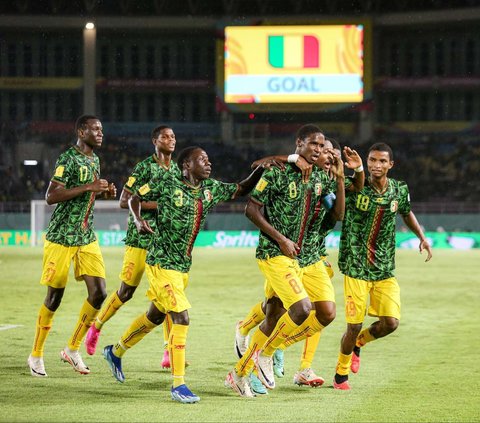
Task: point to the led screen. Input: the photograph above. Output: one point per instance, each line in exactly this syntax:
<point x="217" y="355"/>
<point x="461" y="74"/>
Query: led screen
<point x="294" y="64"/>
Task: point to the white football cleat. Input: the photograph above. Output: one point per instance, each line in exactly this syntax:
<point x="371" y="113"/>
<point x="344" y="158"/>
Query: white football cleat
<point x="75" y="360"/>
<point x="239" y="384"/>
<point x="264" y="366"/>
<point x="241" y="342"/>
<point x="37" y="367"/>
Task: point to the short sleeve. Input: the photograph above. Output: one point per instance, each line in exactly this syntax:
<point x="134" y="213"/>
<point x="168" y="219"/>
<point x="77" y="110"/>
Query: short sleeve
<point x="404" y="206"/>
<point x="262" y="190"/>
<point x="220" y="191"/>
<point x="63" y="170"/>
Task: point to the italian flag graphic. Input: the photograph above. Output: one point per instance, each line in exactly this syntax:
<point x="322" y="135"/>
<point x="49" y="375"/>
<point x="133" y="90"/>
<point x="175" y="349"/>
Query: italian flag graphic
<point x="293" y="51"/>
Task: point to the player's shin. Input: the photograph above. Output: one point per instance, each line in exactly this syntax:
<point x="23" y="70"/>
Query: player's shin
<point x="42" y="329"/>
<point x="87" y="315"/>
<point x="176" y="346"/>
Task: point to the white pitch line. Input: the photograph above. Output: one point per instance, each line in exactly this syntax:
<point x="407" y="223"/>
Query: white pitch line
<point x="6" y="327"/>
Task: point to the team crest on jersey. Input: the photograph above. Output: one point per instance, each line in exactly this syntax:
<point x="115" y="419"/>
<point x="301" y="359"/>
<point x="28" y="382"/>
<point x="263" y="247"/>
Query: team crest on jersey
<point x="130" y="182"/>
<point x="394" y="206"/>
<point x="318" y="189"/>
<point x="59" y="171"/>
<point x="208" y="195"/>
<point x="144" y="189"/>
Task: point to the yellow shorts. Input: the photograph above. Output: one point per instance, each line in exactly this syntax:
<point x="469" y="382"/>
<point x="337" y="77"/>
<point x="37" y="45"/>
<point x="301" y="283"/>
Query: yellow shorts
<point x="283" y="278"/>
<point x="87" y="260"/>
<point x="384" y="299"/>
<point x="328" y="266"/>
<point x="317" y="283"/>
<point x="167" y="289"/>
<point x="133" y="265"/>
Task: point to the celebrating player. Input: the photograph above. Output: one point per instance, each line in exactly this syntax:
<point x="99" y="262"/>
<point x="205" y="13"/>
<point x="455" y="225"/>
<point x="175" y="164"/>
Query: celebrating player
<point x="70" y="236"/>
<point x="136" y="245"/>
<point x="367" y="259"/>
<point x="183" y="204"/>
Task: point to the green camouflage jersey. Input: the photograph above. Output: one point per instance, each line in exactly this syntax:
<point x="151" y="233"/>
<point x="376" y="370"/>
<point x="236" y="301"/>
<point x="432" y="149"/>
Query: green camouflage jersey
<point x="72" y="221"/>
<point x="320" y="226"/>
<point x="288" y="204"/>
<point x="367" y="242"/>
<point x="142" y="173"/>
<point x="181" y="213"/>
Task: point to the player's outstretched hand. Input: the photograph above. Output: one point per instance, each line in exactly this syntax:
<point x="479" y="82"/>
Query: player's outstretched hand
<point x="424" y="245"/>
<point x="269" y="163"/>
<point x="143" y="227"/>
<point x="352" y="158"/>
<point x="305" y="168"/>
<point x="336" y="170"/>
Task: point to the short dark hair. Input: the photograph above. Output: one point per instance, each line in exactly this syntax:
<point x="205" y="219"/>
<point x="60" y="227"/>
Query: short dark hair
<point x="307" y="130"/>
<point x="381" y="146"/>
<point x="156" y="132"/>
<point x="185" y="154"/>
<point x="82" y="121"/>
<point x="335" y="143"/>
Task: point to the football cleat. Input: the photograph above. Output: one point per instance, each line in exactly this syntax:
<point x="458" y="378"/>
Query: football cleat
<point x="184" y="395"/>
<point x="307" y="377"/>
<point x="166" y="360"/>
<point x="114" y="362"/>
<point x="91" y="339"/>
<point x="278" y="366"/>
<point x="264" y="367"/>
<point x="239" y="384"/>
<point x="256" y="386"/>
<point x="344" y="386"/>
<point x="75" y="360"/>
<point x="241" y="342"/>
<point x="355" y="366"/>
<point x="37" y="367"/>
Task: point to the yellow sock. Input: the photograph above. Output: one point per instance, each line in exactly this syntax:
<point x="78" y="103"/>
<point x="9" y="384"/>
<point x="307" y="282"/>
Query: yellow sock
<point x="308" y="328"/>
<point x="42" y="329"/>
<point x="364" y="337"/>
<point x="343" y="365"/>
<point x="135" y="333"/>
<point x="245" y="364"/>
<point x="309" y="349"/>
<point x="167" y="327"/>
<point x="85" y="320"/>
<point x="110" y="307"/>
<point x="285" y="326"/>
<point x="176" y="347"/>
<point x="254" y="318"/>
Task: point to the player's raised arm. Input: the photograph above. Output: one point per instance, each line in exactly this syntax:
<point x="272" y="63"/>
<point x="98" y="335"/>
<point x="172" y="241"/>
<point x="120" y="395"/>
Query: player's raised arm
<point x="412" y="223"/>
<point x="354" y="161"/>
<point x="245" y="186"/>
<point x="338" y="209"/>
<point x="280" y="160"/>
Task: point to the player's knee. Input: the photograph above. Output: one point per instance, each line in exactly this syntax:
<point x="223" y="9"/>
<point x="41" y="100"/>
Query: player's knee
<point x="97" y="298"/>
<point x="353" y="329"/>
<point x="390" y="325"/>
<point x="300" y="311"/>
<point x="53" y="298"/>
<point x="326" y="317"/>
<point x="325" y="312"/>
<point x="125" y="294"/>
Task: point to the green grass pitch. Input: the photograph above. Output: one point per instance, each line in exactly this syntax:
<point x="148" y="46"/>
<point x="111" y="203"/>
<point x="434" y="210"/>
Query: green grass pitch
<point x="427" y="371"/>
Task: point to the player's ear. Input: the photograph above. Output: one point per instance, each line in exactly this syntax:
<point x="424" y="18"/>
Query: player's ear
<point x="391" y="164"/>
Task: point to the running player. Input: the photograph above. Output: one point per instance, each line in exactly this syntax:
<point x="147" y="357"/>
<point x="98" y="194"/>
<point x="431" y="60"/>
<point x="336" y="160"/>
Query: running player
<point x="136" y="245"/>
<point x="367" y="259"/>
<point x="70" y="237"/>
<point x="183" y="204"/>
<point x="288" y="204"/>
